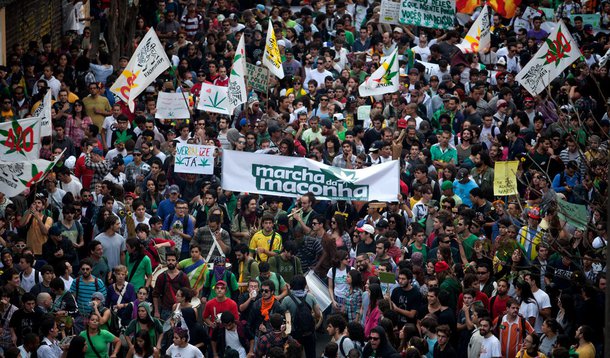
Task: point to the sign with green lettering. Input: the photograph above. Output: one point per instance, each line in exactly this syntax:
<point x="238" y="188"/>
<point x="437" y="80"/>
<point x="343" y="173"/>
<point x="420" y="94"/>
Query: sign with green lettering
<point x="436" y="14"/>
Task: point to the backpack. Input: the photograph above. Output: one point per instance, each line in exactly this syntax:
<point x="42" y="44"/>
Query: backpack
<point x="77" y="286"/>
<point x="303" y="322"/>
<point x="347" y="270"/>
<point x="23" y="231"/>
<point x="114" y="323"/>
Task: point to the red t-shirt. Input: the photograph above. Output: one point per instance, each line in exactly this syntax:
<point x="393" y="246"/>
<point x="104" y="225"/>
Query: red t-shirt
<point x="215" y="307"/>
<point x="479" y="297"/>
<point x="499" y="306"/>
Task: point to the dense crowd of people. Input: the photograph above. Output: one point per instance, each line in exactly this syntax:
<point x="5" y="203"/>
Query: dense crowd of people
<point x="116" y="254"/>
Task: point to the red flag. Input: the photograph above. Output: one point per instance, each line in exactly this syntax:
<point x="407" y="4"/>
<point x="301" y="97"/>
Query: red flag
<point x="505" y="8"/>
<point x="467" y="6"/>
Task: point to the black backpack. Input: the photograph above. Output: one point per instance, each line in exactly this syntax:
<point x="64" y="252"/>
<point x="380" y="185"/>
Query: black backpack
<point x="303" y="323"/>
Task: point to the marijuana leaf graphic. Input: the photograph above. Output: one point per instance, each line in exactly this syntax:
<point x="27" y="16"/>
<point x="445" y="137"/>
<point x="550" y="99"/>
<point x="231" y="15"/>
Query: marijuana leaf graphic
<point x="122" y="137"/>
<point x="215" y="102"/>
<point x="340" y="174"/>
<point x="180" y="160"/>
<point x="204" y="163"/>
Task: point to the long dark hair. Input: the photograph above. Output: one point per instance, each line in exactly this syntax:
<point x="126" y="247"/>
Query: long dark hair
<point x="147" y="350"/>
<point x="526" y="294"/>
<point x="376" y="295"/>
<point x="341" y="223"/>
<point x="75" y="350"/>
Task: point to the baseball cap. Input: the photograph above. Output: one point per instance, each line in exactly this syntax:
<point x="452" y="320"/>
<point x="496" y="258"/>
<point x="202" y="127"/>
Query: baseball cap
<point x="382" y="224"/>
<point x="174" y="189"/>
<point x="501" y="103"/>
<point x="376" y="146"/>
<point x="462" y="174"/>
<point x="54" y="231"/>
<point x="441" y="266"/>
<point x="447" y="185"/>
<point x="131" y="195"/>
<point x="534" y="213"/>
<point x="97" y="151"/>
<point x="501" y="61"/>
<point x="221" y="283"/>
<point x="338" y="116"/>
<point x="367" y="228"/>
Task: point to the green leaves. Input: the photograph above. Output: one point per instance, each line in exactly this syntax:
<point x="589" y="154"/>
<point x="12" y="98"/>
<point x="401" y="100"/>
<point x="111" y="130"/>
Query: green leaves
<point x="203" y="163"/>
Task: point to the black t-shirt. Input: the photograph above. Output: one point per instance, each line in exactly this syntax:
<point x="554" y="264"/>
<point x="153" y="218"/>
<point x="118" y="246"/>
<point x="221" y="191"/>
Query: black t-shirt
<point x="23" y="323"/>
<point x="363" y="247"/>
<point x="407" y="300"/>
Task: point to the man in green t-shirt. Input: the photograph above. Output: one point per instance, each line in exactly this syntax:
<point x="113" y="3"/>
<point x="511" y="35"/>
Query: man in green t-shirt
<point x="465" y="236"/>
<point x="195" y="268"/>
<point x="279" y="283"/>
<point x="286" y="264"/>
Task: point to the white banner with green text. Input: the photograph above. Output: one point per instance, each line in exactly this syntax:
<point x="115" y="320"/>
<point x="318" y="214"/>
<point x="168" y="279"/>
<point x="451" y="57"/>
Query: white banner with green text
<point x="293" y="177"/>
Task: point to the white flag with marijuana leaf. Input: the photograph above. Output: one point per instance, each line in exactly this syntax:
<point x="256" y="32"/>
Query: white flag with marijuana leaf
<point x="384" y="79"/>
<point x="194" y="159"/>
<point x="237" y="84"/>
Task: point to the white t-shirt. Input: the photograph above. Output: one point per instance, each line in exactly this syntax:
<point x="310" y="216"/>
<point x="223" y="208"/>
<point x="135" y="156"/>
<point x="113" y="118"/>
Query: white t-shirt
<point x="543" y="302"/>
<point x="190" y="351"/>
<point x="232" y="340"/>
<point x="27" y="282"/>
<point x="528" y="309"/>
<point x="108" y="125"/>
<point x="490" y="347"/>
<point x="347" y="344"/>
<point x="341" y="285"/>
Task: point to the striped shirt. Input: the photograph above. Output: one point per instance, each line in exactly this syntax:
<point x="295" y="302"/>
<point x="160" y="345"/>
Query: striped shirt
<point x="191" y="24"/>
<point x="85" y="291"/>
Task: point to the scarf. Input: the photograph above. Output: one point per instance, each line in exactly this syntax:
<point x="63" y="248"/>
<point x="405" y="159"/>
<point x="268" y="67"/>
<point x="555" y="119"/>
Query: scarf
<point x="266" y="307"/>
<point x="219" y="272"/>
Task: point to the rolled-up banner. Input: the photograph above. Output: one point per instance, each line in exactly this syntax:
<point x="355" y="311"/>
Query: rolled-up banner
<point x="294" y="177"/>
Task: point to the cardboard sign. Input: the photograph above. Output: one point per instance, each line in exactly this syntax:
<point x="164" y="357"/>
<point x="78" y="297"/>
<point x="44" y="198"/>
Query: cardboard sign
<point x="390" y="12"/>
<point x="194" y="159"/>
<point x="172" y="106"/>
<point x="505" y="178"/>
<point x="258" y="77"/>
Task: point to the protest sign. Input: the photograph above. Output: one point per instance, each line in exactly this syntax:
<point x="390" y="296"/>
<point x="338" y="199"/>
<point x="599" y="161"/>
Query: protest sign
<point x="548" y="12"/>
<point x="44" y="112"/>
<point x="364" y="115"/>
<point x="294" y="177"/>
<point x="390" y="12"/>
<point x="214" y="99"/>
<point x="258" y="77"/>
<point x="576" y="215"/>
<point x="530" y="13"/>
<point x="20" y="139"/>
<point x="557" y="53"/>
<point x="15" y="177"/>
<point x="588" y="19"/>
<point x="194" y="159"/>
<point x="146" y="64"/>
<point x="172" y="106"/>
<point x="437" y="14"/>
<point x="505" y="178"/>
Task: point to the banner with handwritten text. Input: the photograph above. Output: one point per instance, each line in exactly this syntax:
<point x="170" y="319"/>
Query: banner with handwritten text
<point x="194" y="159"/>
<point x="436" y="14"/>
<point x="258" y="77"/>
<point x="505" y="178"/>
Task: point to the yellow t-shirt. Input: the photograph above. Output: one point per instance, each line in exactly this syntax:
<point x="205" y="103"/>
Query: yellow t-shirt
<point x="99" y="103"/>
<point x="586" y="351"/>
<point x="259" y="239"/>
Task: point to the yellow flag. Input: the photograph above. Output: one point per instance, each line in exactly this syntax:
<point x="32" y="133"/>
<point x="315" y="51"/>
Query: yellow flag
<point x="272" y="58"/>
<point x="505" y="178"/>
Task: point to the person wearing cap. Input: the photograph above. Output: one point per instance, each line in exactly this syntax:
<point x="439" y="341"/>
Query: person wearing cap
<point x="117" y="172"/>
<point x="565" y="181"/>
<point x="180" y="224"/>
<point x="447" y="191"/>
<point x="366" y="243"/>
<point x="220" y="300"/>
<point x="136" y="170"/>
<point x="530" y="235"/>
<point x="94" y="160"/>
<point x="167" y="206"/>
